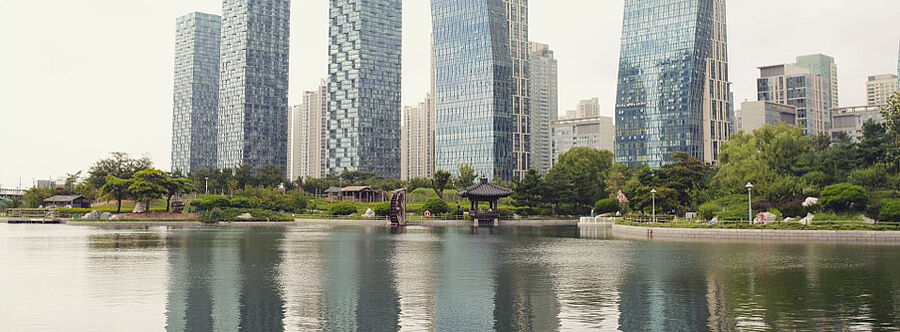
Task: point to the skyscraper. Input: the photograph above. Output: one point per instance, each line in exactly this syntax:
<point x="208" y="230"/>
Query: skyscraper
<point x="517" y="26"/>
<point x="791" y="84"/>
<point x="879" y="88"/>
<point x="197" y="37"/>
<point x="253" y="85"/>
<point x="544" y="109"/>
<point x="473" y="87"/>
<point x="824" y="66"/>
<point x="673" y="90"/>
<point x="416" y="141"/>
<point x="306" y="139"/>
<point x="364" y="86"/>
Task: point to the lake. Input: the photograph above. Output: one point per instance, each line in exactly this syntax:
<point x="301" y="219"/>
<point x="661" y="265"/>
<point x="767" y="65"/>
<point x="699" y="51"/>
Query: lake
<point x="61" y="277"/>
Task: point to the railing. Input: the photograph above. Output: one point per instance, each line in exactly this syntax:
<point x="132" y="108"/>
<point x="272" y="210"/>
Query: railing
<point x="31" y="213"/>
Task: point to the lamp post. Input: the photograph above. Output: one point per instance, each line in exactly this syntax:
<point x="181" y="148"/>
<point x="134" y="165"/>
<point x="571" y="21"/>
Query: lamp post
<point x="206" y="183"/>
<point x="653" y="192"/>
<point x="749" y="202"/>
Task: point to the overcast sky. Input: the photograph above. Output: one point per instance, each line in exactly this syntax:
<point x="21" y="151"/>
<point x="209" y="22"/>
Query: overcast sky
<point x="82" y="78"/>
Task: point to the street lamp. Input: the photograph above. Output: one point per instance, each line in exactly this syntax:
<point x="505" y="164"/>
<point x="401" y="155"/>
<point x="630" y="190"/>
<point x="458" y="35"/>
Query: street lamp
<point x="207" y="185"/>
<point x="749" y="202"/>
<point x="653" y="192"/>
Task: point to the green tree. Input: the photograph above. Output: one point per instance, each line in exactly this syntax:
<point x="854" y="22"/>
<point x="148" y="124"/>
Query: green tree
<point x="466" y="176"/>
<point x="416" y="183"/>
<point x="557" y="189"/>
<point x="762" y="158"/>
<point x="891" y="115"/>
<point x="688" y="177"/>
<point x="176" y="185"/>
<point x="119" y="164"/>
<point x="587" y="169"/>
<point x="116" y="188"/>
<point x="439" y="182"/>
<point x="34" y="197"/>
<point x="148" y="185"/>
<point x="844" y="197"/>
<point x="269" y="176"/>
<point x="527" y="193"/>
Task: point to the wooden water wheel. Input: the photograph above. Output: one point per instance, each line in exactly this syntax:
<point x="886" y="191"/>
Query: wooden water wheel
<point x="398" y="208"/>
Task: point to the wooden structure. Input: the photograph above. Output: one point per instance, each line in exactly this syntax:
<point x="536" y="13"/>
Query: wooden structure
<point x="67" y="201"/>
<point x="398" y="208"/>
<point x="354" y="194"/>
<point x="485" y="192"/>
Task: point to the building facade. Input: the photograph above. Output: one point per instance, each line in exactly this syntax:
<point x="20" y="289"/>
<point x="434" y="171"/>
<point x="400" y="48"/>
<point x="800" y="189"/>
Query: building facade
<point x="850" y="120"/>
<point x="586" y="108"/>
<point x="544" y="96"/>
<point x="196" y="97"/>
<point x="596" y="132"/>
<point x="473" y="84"/>
<point x="673" y="93"/>
<point x="824" y="66"/>
<point x="306" y="139"/>
<point x="791" y="84"/>
<point x="757" y="114"/>
<point x="517" y="26"/>
<point x="879" y="88"/>
<point x="364" y="86"/>
<point x="253" y="83"/>
<point x="417" y="141"/>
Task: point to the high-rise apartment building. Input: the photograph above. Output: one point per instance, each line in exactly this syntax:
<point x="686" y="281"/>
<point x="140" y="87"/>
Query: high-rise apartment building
<point x="586" y="108"/>
<point x="879" y="88"/>
<point x="757" y="114"/>
<point x="196" y="102"/>
<point x="850" y="120"/>
<point x="794" y="85"/>
<point x="253" y="83"/>
<point x="473" y="84"/>
<point x="824" y="66"/>
<point x="417" y="141"/>
<point x="596" y="132"/>
<point x="306" y="139"/>
<point x="517" y="23"/>
<point x="364" y="86"/>
<point x="544" y="95"/>
<point x="673" y="91"/>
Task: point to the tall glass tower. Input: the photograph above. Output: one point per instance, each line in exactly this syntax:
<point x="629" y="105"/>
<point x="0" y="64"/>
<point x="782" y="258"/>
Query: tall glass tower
<point x="517" y="23"/>
<point x="473" y="87"/>
<point x="673" y="90"/>
<point x="196" y="98"/>
<point x="253" y="85"/>
<point x="364" y="86"/>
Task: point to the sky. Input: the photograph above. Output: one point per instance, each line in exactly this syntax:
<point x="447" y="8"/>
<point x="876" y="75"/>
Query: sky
<point x="80" y="79"/>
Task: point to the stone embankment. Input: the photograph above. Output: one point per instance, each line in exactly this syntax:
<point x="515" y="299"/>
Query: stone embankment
<point x="712" y="234"/>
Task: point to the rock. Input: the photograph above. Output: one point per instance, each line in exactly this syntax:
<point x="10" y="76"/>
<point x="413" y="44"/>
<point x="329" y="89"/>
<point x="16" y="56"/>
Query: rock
<point x="114" y="217"/>
<point x="369" y="213"/>
<point x="105" y="216"/>
<point x="765" y="218"/>
<point x="790" y="219"/>
<point x="245" y="216"/>
<point x="93" y="215"/>
<point x="138" y="208"/>
<point x="810" y="201"/>
<point x="808" y="219"/>
<point x="868" y="220"/>
<point x="714" y="221"/>
<point x="516" y="216"/>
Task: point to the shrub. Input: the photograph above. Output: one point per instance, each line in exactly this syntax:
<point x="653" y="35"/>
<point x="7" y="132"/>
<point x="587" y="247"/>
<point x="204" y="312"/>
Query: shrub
<point x="815" y="178"/>
<point x="709" y="210"/>
<point x="436" y="206"/>
<point x="793" y="209"/>
<point x="211" y="202"/>
<point x="610" y="205"/>
<point x="890" y="211"/>
<point x="298" y="202"/>
<point x="871" y="177"/>
<point x="240" y="202"/>
<point x="342" y="209"/>
<point x="382" y="209"/>
<point x="213" y="216"/>
<point x="844" y="197"/>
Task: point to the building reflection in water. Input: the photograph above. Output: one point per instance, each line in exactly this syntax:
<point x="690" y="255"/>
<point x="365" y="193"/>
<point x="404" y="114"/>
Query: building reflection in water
<point x="465" y="289"/>
<point x="414" y="262"/>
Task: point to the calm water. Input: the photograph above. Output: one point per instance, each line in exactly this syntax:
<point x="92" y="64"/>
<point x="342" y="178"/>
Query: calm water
<point x="454" y="279"/>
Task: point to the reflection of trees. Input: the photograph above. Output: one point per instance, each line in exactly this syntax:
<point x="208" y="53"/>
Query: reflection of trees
<point x="524" y="297"/>
<point x="126" y="240"/>
<point x="261" y="301"/>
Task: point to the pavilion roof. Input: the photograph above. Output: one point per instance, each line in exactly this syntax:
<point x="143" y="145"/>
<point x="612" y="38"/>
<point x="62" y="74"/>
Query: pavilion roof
<point x="485" y="189"/>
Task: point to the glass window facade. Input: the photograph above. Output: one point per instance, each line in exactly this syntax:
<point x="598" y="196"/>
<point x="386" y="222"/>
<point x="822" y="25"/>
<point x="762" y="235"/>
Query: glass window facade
<point x="196" y="95"/>
<point x="672" y="94"/>
<point x="253" y="83"/>
<point x="473" y="87"/>
<point x="364" y="86"/>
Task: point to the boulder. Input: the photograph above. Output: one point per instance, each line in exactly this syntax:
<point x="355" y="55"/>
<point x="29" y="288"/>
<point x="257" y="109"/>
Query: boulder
<point x="810" y="201"/>
<point x="93" y="215"/>
<point x="245" y="216"/>
<point x="138" y="208"/>
<point x="114" y="217"/>
<point x="808" y="219"/>
<point x="369" y="213"/>
<point x="765" y="218"/>
<point x="868" y="220"/>
<point x="790" y="219"/>
<point x="714" y="221"/>
<point x="105" y="216"/>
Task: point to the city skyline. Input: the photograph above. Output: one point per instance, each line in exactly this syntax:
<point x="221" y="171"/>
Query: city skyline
<point x="154" y="107"/>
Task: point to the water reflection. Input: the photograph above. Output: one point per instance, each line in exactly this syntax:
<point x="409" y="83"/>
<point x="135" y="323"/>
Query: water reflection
<point x="374" y="279"/>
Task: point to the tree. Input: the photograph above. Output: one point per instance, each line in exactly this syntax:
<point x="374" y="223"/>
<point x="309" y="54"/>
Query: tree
<point x="176" y="185"/>
<point x="71" y="181"/>
<point x="35" y="196"/>
<point x="558" y="188"/>
<point x="439" y="182"/>
<point x="844" y="197"/>
<point x="115" y="188"/>
<point x="119" y="164"/>
<point x="269" y="176"/>
<point x="688" y="177"/>
<point x="761" y="158"/>
<point x="466" y="176"/>
<point x="891" y="115"/>
<point x="527" y="192"/>
<point x="587" y="169"/>
<point x="148" y="185"/>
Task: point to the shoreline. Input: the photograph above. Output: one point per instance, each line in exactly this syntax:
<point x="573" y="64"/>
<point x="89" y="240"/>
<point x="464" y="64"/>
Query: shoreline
<point x="308" y="222"/>
<point x="754" y="235"/>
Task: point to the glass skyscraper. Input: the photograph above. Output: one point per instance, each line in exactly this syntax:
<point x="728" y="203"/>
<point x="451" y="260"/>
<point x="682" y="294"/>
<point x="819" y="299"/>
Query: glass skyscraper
<point x="473" y="87"/>
<point x="364" y="86"/>
<point x="253" y="83"/>
<point x="196" y="100"/>
<point x="517" y="23"/>
<point x="673" y="92"/>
